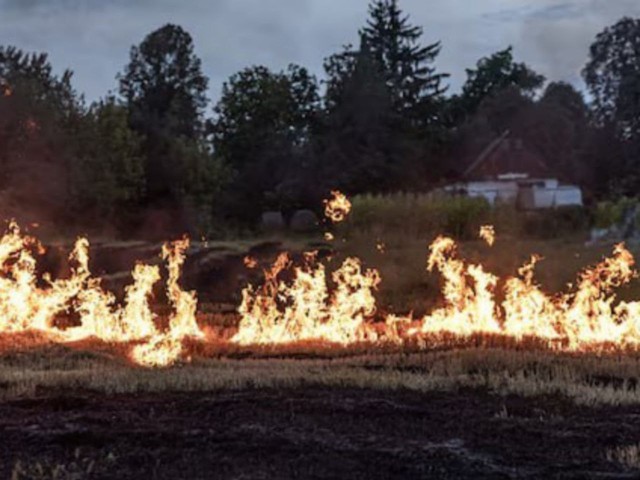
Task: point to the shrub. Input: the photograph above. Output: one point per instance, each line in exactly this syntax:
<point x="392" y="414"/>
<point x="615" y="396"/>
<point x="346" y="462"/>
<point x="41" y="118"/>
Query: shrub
<point x="425" y="215"/>
<point x="419" y="214"/>
<point x="610" y="213"/>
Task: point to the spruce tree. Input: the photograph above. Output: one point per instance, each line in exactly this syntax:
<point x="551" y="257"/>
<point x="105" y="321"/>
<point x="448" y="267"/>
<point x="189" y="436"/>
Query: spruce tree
<point x="407" y="66"/>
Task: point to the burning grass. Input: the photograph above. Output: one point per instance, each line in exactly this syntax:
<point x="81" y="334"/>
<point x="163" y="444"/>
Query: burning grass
<point x="318" y="325"/>
<point x="304" y="307"/>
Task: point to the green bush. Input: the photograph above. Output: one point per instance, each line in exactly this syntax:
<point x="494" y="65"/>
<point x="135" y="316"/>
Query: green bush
<point x="609" y="213"/>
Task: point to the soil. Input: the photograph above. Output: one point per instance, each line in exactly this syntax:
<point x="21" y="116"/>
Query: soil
<point x="316" y="433"/>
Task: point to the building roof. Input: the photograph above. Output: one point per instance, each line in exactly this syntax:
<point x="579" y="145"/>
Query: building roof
<point x="506" y="155"/>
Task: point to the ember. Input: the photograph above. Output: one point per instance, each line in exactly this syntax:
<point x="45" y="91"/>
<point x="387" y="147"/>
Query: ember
<point x="337" y="208"/>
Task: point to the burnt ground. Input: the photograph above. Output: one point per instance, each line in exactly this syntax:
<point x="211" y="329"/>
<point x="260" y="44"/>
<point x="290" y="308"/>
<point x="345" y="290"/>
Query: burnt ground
<point x="319" y="433"/>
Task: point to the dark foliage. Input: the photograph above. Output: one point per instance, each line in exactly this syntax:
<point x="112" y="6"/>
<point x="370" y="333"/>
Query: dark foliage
<point x="277" y="140"/>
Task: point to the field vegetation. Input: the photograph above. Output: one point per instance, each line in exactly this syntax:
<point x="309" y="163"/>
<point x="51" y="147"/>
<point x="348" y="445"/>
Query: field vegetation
<point x="490" y="364"/>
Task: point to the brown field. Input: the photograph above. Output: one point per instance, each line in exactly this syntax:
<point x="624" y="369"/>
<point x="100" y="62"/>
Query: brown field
<point x="481" y="412"/>
<point x="474" y="408"/>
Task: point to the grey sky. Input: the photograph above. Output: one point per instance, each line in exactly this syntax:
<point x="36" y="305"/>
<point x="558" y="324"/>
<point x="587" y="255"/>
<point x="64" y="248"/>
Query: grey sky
<point x="93" y="37"/>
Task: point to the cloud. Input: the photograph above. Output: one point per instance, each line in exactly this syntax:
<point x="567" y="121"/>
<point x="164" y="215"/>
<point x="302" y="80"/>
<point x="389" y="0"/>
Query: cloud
<point x="526" y="12"/>
<point x="559" y="45"/>
<point x="93" y="37"/>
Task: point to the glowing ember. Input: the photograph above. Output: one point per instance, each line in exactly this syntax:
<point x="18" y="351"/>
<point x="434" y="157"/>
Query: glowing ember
<point x="250" y="262"/>
<point x="488" y="234"/>
<point x="337" y="208"/>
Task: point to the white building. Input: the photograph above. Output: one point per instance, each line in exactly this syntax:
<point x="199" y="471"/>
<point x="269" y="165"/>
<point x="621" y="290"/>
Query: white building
<point x="506" y="172"/>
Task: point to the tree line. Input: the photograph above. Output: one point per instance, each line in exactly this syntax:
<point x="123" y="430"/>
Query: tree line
<point x="380" y="120"/>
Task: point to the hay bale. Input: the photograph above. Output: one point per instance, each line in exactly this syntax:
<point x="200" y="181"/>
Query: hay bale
<point x="304" y="221"/>
<point x="272" y="222"/>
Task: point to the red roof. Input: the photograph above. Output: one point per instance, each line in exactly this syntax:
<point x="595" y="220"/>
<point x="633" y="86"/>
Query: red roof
<point x="506" y="155"/>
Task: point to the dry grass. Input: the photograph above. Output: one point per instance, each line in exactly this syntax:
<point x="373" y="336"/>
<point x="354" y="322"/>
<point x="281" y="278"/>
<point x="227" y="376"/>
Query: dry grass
<point x="76" y="467"/>
<point x="628" y="456"/>
<point x="586" y="379"/>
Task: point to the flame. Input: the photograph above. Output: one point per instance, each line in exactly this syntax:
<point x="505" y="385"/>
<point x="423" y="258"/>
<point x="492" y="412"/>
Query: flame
<point x="468" y="291"/>
<point x="161" y="350"/>
<point x="305" y="309"/>
<point x="488" y="234"/>
<point x="250" y="262"/>
<point x="474" y="301"/>
<point x="26" y="306"/>
<point x="299" y="301"/>
<point x="103" y="319"/>
<point x="588" y="315"/>
<point x="166" y="347"/>
<point x="183" y="321"/>
<point x="337" y="208"/>
<point x="528" y="310"/>
<point x="577" y="320"/>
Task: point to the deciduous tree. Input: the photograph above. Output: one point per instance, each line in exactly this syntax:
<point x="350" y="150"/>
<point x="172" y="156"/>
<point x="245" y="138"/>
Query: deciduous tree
<point x="613" y="76"/>
<point x="492" y="76"/>
<point x="263" y="122"/>
<point x="165" y="91"/>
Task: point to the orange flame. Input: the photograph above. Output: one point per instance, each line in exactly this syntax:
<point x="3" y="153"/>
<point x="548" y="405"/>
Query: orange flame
<point x="299" y="301"/>
<point x="25" y="306"/>
<point x="488" y="234"/>
<point x="337" y="208"/>
<point x="305" y="309"/>
<point x="165" y="348"/>
<point x="473" y="302"/>
<point x="468" y="294"/>
<point x="250" y="262"/>
<point x="579" y="319"/>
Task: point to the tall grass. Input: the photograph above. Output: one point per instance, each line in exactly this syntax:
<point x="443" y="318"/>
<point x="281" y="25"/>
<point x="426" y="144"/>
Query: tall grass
<point x="419" y="214"/>
<point x="423" y="215"/>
